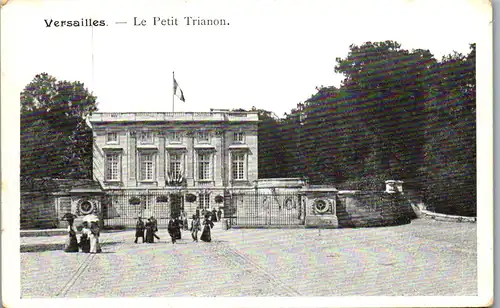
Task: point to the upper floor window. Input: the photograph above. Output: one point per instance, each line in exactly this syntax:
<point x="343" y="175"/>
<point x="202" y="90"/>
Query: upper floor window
<point x="203" y="137"/>
<point x="176" y="137"/>
<point x="147" y="166"/>
<point x="112" y="165"/>
<point x="238" y="137"/>
<point x="175" y="170"/>
<point x="146" y="137"/>
<point x="112" y="138"/>
<point x="204" y="171"/>
<point x="238" y="166"/>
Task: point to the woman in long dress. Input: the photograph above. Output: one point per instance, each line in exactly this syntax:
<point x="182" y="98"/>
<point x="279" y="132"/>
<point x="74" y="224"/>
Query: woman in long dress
<point x="206" y="234"/>
<point x="149" y="232"/>
<point x="85" y="237"/>
<point x="71" y="243"/>
<point x="95" y="247"/>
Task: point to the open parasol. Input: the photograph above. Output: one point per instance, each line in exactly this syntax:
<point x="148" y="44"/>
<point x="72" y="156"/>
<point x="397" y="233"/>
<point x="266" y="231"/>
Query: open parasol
<point x="68" y="216"/>
<point x="91" y="218"/>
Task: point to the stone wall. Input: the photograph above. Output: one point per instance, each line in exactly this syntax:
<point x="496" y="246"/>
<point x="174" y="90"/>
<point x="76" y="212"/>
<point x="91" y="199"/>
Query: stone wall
<point x="371" y="209"/>
<point x="37" y="211"/>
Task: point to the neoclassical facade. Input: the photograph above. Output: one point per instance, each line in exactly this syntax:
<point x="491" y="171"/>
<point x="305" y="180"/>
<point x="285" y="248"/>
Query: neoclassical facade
<point x="206" y="153"/>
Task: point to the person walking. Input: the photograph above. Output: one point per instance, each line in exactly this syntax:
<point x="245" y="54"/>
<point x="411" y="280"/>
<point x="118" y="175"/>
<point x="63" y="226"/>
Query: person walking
<point x="206" y="234"/>
<point x="185" y="223"/>
<point x="71" y="242"/>
<point x="85" y="238"/>
<point x="219" y="214"/>
<point x="149" y="232"/>
<point x="178" y="226"/>
<point x="139" y="229"/>
<point x="95" y="246"/>
<point x="154" y="222"/>
<point x="195" y="227"/>
<point x="172" y="229"/>
<point x="214" y="215"/>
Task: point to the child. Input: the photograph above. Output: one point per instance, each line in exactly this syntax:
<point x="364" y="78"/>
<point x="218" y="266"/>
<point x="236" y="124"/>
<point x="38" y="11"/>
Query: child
<point x="195" y="227"/>
<point x="85" y="237"/>
<point x="95" y="247"/>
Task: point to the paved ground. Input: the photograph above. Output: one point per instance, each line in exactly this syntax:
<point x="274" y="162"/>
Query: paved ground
<point x="425" y="257"/>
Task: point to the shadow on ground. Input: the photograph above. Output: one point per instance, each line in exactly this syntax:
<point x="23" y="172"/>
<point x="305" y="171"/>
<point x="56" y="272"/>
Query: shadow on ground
<point x="53" y="247"/>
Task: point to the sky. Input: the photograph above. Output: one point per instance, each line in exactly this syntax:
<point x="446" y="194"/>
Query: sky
<point x="272" y="55"/>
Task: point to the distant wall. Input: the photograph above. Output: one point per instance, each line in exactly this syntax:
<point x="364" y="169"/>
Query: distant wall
<point x="38" y="211"/>
<point x="371" y="209"/>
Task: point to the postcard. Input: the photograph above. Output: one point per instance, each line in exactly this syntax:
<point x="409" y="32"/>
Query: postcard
<point x="247" y="153"/>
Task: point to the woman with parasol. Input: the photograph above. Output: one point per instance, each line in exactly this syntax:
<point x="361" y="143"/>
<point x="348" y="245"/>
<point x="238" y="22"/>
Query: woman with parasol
<point x="95" y="247"/>
<point x="71" y="243"/>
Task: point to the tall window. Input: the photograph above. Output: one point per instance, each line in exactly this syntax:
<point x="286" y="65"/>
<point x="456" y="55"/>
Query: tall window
<point x="238" y="137"/>
<point x="175" y="166"/>
<point x="146" y="137"/>
<point x="204" y="166"/>
<point x="147" y="166"/>
<point x="203" y="137"/>
<point x="204" y="200"/>
<point x="112" y="137"/>
<point x="112" y="167"/>
<point x="238" y="166"/>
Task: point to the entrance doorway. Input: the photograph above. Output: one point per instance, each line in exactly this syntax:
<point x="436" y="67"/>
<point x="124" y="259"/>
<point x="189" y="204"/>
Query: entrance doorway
<point x="176" y="205"/>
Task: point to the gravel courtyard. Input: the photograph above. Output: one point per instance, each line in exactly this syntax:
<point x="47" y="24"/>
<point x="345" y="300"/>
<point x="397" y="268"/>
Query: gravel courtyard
<point x="425" y="257"/>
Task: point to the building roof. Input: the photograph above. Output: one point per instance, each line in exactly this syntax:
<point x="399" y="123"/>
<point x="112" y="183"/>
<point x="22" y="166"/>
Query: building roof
<point x="184" y="117"/>
<point x="49" y="185"/>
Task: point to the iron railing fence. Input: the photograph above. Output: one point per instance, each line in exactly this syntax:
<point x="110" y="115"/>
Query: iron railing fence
<point x="121" y="208"/>
<point x="264" y="209"/>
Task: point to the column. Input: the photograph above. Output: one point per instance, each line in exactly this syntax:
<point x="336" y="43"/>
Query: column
<point x="190" y="159"/>
<point x="132" y="153"/>
<point x="161" y="162"/>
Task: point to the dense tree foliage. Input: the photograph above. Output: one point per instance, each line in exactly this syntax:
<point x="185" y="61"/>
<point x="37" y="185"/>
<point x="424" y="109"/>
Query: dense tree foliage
<point x="398" y="114"/>
<point x="55" y="140"/>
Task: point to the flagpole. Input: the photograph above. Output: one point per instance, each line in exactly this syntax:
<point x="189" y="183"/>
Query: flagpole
<point x="173" y="92"/>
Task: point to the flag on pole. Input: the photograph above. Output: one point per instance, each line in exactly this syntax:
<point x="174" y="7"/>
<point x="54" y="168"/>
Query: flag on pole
<point x="178" y="92"/>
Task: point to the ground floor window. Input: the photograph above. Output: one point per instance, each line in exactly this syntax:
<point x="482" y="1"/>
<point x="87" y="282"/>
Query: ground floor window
<point x="204" y="200"/>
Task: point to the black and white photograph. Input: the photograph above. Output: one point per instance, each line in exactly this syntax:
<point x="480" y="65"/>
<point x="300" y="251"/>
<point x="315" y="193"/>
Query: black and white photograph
<point x="246" y="153"/>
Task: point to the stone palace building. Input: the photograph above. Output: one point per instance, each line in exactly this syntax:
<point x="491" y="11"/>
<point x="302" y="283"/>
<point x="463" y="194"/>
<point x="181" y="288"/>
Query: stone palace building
<point x="175" y="154"/>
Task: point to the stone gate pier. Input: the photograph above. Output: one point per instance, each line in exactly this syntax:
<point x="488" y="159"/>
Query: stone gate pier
<point x="320" y="203"/>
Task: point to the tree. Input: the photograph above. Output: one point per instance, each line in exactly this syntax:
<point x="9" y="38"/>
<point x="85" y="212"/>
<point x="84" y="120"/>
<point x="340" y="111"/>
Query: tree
<point x="55" y="140"/>
<point x="398" y="114"/>
<point x="389" y="85"/>
<point x="449" y="168"/>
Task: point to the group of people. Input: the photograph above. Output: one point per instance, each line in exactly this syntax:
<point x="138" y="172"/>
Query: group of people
<point x="206" y="235"/>
<point x="214" y="215"/>
<point x="89" y="238"/>
<point x="147" y="231"/>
